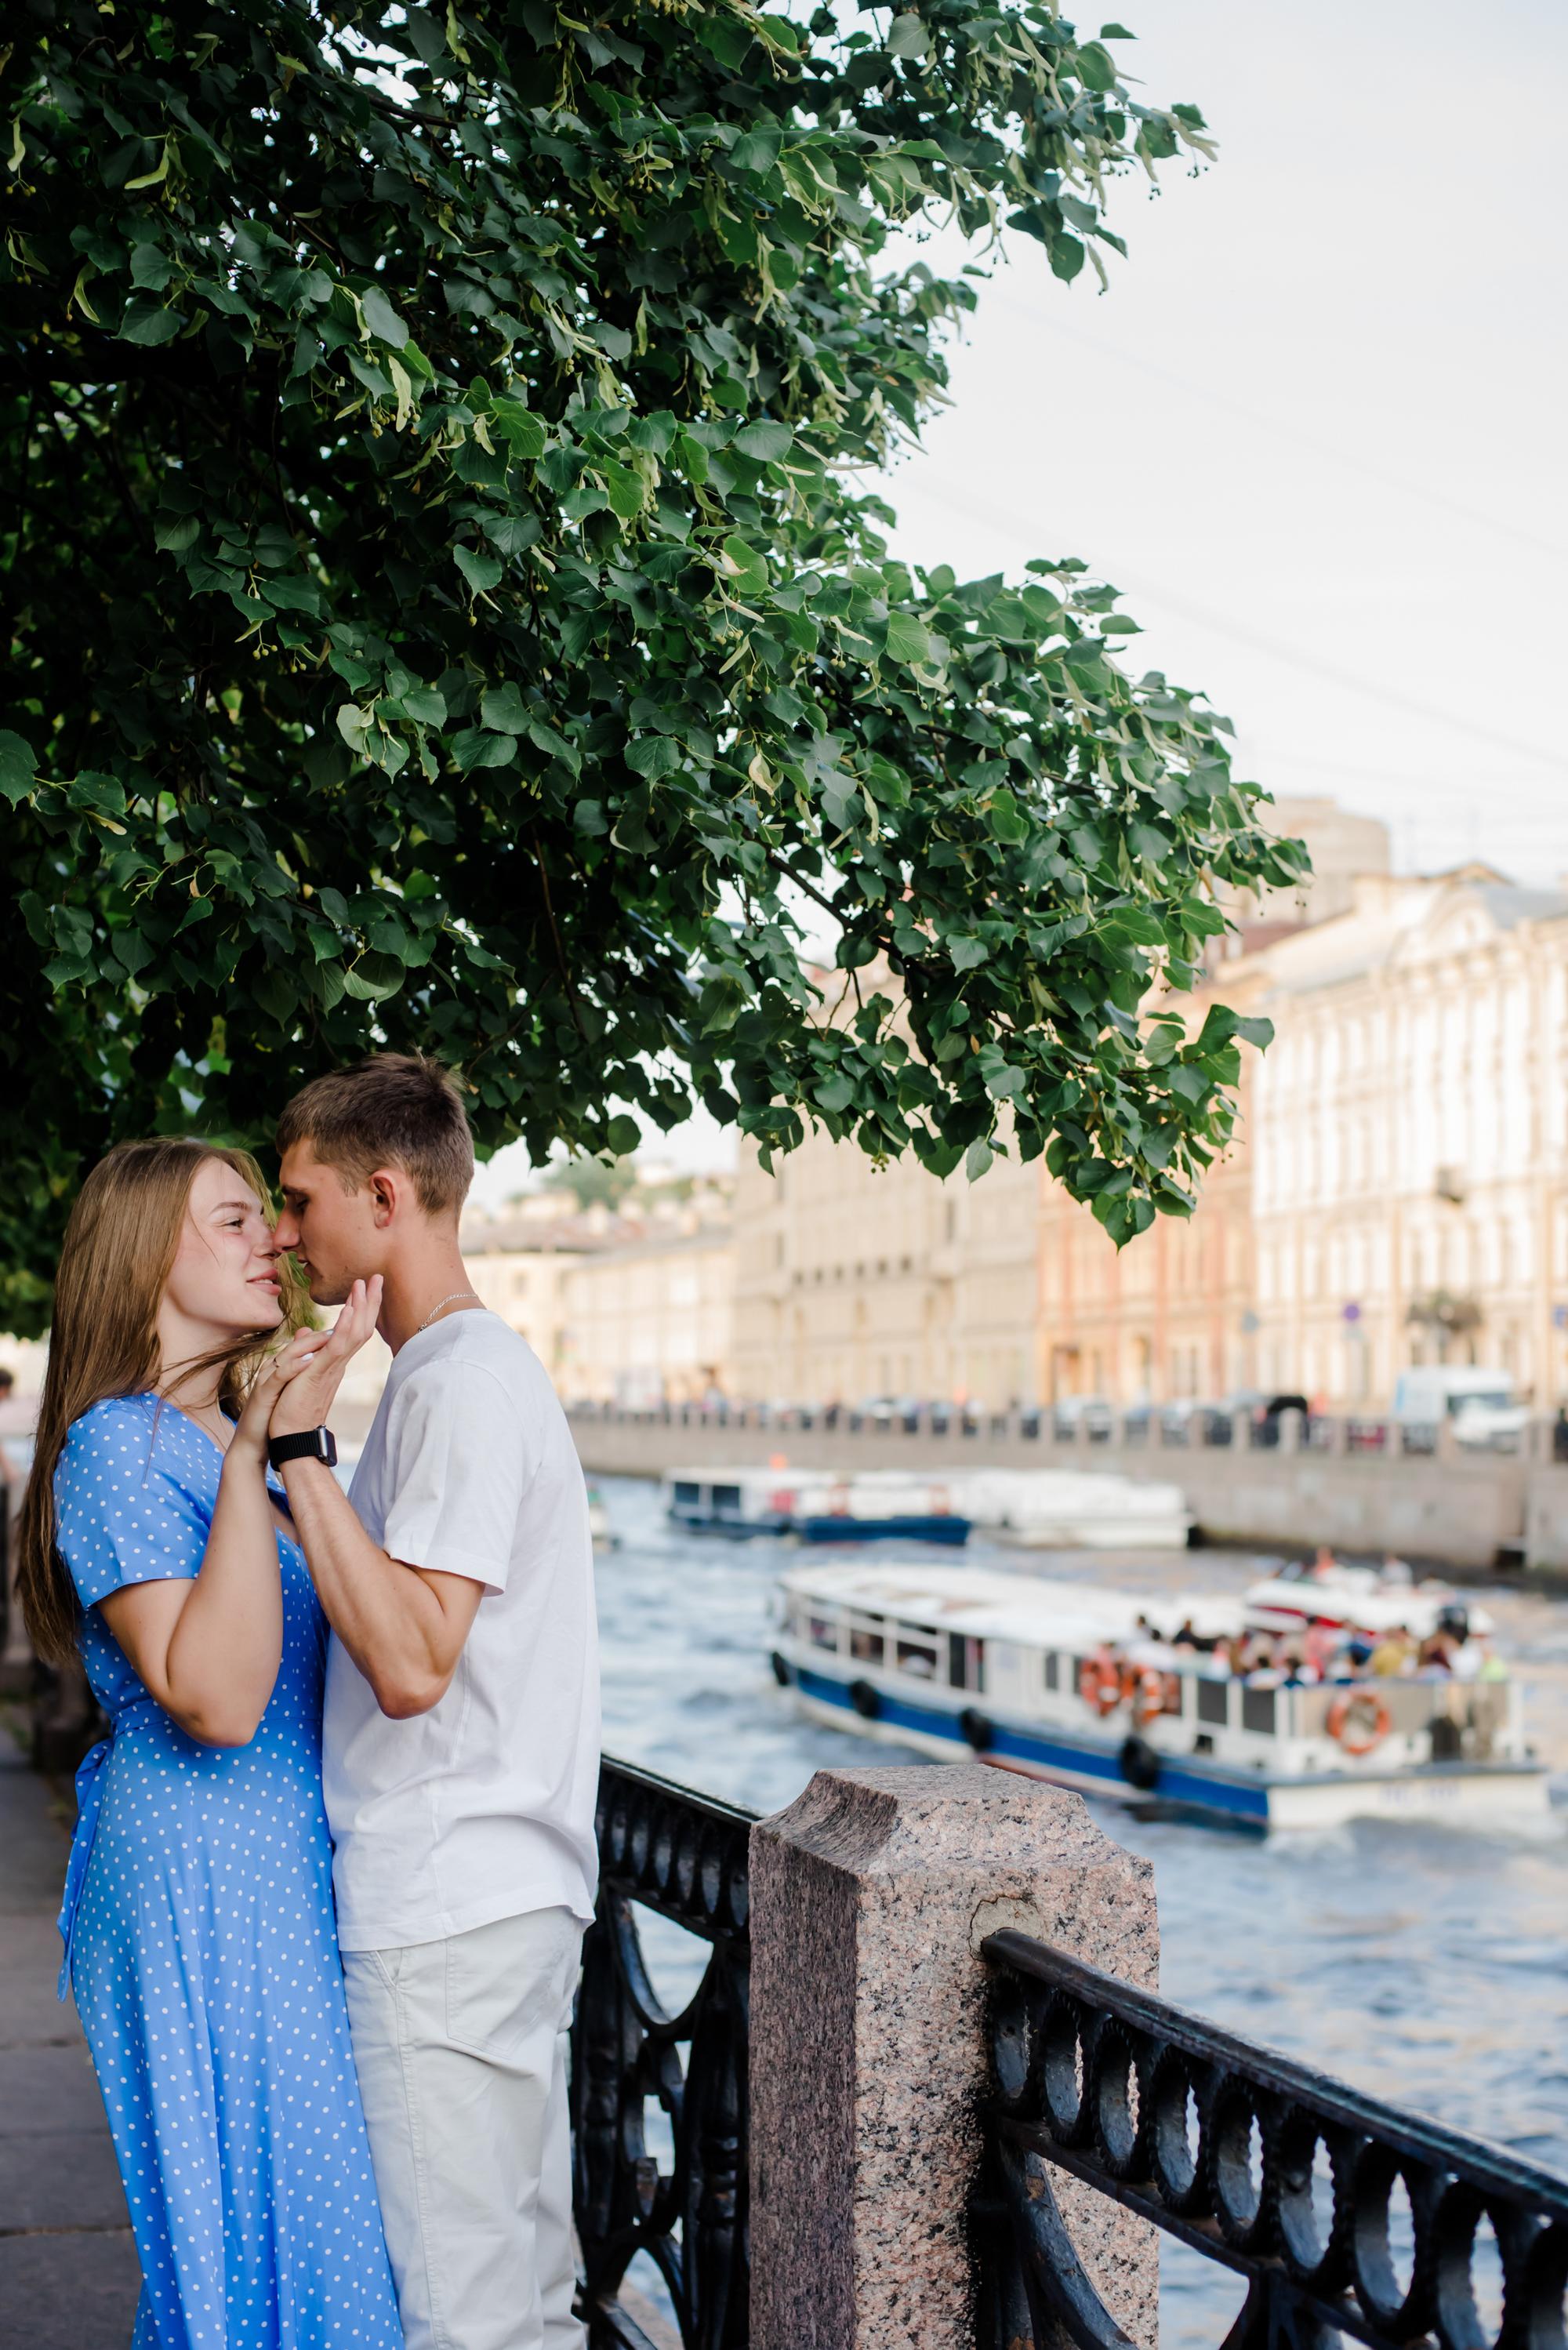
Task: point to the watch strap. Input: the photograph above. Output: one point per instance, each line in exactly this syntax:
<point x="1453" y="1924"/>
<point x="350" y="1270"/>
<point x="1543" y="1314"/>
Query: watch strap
<point x="311" y="1444"/>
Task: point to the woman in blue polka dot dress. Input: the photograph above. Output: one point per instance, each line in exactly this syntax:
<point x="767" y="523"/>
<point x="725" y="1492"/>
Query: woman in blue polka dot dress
<point x="198" y="1921"/>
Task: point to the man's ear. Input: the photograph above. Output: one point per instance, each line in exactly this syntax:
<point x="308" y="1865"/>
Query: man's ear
<point x="386" y="1189"/>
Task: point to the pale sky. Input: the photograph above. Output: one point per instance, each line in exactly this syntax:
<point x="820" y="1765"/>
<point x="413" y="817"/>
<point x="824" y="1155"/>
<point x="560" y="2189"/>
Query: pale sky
<point x="1316" y="430"/>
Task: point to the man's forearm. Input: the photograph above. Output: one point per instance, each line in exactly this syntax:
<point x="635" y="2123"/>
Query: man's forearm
<point x="385" y="1614"/>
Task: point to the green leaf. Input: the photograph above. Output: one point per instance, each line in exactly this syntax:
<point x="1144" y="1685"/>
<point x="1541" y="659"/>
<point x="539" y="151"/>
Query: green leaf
<point x="503" y="709"/>
<point x="481" y="571"/>
<point x="19" y="767"/>
<point x="653" y="755"/>
<point x="382" y="320"/>
<point x="522" y="430"/>
<point x="476" y="748"/>
<point x="151" y="268"/>
<point x="968" y="954"/>
<point x="1006" y="819"/>
<point x="148" y="323"/>
<point x="174" y="533"/>
<point x="908" y="640"/>
<point x="373" y="978"/>
<point x="908" y="36"/>
<point x="622" y="1136"/>
<point x="741" y="568"/>
<point x="1066" y="258"/>
<point x="768" y="440"/>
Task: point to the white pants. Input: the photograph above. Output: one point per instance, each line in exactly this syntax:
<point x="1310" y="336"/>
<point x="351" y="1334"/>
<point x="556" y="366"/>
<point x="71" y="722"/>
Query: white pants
<point x="460" y="2050"/>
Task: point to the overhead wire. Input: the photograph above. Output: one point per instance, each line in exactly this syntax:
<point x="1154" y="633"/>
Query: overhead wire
<point x="1223" y="624"/>
<point x="1422" y="493"/>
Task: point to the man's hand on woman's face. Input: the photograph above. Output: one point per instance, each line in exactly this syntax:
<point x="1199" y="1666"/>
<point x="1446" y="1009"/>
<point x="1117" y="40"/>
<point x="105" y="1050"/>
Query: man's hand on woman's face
<point x="307" y="1397"/>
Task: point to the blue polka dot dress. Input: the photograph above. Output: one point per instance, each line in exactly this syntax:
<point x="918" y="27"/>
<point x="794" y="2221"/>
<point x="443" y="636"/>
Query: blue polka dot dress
<point x="202" y="1946"/>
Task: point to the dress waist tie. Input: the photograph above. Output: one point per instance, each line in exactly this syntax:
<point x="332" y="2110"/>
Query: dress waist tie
<point x="89" y="1802"/>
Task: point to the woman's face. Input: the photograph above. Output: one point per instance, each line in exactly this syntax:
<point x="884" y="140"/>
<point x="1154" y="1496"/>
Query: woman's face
<point x="225" y="1276"/>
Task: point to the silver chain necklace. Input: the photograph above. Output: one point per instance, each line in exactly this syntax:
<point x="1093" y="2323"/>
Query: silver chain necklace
<point x="436" y="1308"/>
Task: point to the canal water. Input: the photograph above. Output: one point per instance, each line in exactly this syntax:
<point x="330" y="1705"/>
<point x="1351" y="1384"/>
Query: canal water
<point x="1424" y="1963"/>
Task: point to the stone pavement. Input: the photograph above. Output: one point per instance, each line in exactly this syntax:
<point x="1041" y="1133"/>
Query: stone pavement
<point x="69" y="2277"/>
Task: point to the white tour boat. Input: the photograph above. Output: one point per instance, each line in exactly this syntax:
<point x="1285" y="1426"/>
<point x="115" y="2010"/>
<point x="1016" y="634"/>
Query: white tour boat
<point x="1074" y="1509"/>
<point x="1357" y="1598"/>
<point x="1075" y="1683"/>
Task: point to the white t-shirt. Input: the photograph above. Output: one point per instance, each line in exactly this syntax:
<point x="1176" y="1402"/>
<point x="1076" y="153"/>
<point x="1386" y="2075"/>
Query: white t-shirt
<point x="483" y="1807"/>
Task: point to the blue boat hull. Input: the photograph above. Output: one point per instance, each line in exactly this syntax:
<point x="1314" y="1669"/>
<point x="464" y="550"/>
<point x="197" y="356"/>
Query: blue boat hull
<point x="949" y="1531"/>
<point x="943" y="1529"/>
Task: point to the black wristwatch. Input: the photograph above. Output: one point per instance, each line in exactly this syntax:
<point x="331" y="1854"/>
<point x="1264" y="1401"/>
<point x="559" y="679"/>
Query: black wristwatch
<point x="314" y="1444"/>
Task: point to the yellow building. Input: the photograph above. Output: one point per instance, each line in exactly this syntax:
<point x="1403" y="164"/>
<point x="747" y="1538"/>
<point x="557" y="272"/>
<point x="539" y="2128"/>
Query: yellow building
<point x="650" y="1320"/>
<point x="855" y="1281"/>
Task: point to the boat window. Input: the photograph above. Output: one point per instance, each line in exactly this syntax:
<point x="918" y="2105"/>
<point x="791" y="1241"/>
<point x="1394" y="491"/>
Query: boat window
<point x="823" y="1630"/>
<point x="966" y="1663"/>
<point x="866" y="1646"/>
<point x="727" y="1498"/>
<point x="1053" y="1669"/>
<point x="687" y="1493"/>
<point x="1213" y="1701"/>
<point x="917" y="1654"/>
<point x="1258" y="1710"/>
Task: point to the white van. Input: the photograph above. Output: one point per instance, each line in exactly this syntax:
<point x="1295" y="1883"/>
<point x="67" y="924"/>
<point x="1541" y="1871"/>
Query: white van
<point x="1481" y="1403"/>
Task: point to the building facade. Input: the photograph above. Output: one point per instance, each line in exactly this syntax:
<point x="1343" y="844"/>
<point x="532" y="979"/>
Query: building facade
<point x="1410" y="1139"/>
<point x="855" y="1281"/>
<point x="652" y="1320"/>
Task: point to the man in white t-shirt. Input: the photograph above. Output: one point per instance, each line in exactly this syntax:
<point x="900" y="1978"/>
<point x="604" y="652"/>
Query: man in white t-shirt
<point x="461" y="1731"/>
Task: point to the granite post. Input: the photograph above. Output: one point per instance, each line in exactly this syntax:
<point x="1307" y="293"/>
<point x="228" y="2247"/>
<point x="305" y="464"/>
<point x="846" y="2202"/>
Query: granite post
<point x="870" y="1896"/>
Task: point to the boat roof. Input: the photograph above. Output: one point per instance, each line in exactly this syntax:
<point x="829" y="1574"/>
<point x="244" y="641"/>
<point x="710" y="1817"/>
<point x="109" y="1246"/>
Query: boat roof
<point x="985" y="1601"/>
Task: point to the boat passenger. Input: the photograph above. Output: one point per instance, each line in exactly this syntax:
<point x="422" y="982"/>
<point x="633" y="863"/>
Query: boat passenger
<point x="1186" y="1642"/>
<point x="1466" y="1658"/>
<point x="1323" y="1648"/>
<point x="1393" y="1653"/>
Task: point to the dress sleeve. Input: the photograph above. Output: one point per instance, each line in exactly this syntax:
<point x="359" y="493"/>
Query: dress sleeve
<point x="120" y="1516"/>
<point x="460" y="1461"/>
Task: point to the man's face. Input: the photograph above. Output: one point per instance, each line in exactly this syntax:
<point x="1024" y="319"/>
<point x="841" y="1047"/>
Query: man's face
<point x="334" y="1234"/>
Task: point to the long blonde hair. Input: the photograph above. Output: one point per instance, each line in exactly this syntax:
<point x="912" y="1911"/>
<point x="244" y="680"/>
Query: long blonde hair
<point x="115" y="1260"/>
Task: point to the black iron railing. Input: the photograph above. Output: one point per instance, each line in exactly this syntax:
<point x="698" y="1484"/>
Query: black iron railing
<point x="1345" y="2216"/>
<point x="683" y="1855"/>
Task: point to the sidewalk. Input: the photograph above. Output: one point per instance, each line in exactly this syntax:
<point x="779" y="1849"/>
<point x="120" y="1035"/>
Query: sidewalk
<point x="69" y="2277"/>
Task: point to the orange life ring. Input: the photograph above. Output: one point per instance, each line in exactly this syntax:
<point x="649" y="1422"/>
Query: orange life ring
<point x="1352" y="1705"/>
<point x="1099" y="1683"/>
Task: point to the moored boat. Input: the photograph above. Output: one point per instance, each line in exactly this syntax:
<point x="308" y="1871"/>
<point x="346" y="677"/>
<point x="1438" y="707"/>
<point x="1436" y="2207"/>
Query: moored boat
<point x="1084" y="1685"/>
<point x="1074" y="1509"/>
<point x="813" y="1505"/>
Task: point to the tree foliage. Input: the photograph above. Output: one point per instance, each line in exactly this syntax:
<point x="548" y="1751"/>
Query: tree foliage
<point x="443" y="609"/>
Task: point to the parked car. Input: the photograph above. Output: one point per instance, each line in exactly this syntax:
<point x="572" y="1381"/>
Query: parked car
<point x="1093" y="1412"/>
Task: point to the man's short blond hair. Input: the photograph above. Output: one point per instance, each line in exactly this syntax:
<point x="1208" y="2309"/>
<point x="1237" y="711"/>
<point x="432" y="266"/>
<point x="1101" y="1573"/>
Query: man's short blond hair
<point x="392" y="1109"/>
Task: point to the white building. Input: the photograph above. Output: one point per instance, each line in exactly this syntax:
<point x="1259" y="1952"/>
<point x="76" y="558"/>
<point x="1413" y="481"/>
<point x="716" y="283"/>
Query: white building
<point x="1410" y="1139"/>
